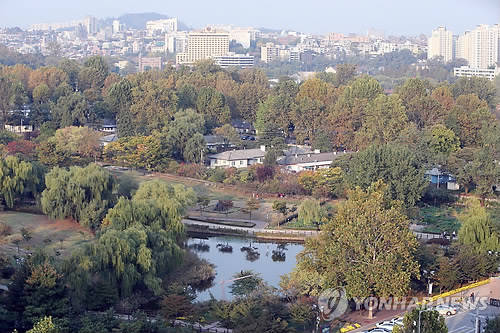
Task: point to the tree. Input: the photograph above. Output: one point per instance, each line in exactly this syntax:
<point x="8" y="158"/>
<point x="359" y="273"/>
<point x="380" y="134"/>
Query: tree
<point x="45" y="293"/>
<point x="203" y="202"/>
<point x="84" y="194"/>
<point x="384" y="121"/>
<point x="280" y="207"/>
<point x="245" y="283"/>
<point x="430" y="322"/>
<point x="18" y="179"/>
<point x="396" y="165"/>
<point x="252" y="204"/>
<point x="492" y="325"/>
<point x="230" y="134"/>
<point x="212" y="105"/>
<point x="194" y="149"/>
<point x="442" y="141"/>
<point x="71" y="110"/>
<point x="310" y="213"/>
<point x="44" y="325"/>
<point x="483" y="88"/>
<point x="141" y="237"/>
<point x="477" y="230"/>
<point x="366" y="248"/>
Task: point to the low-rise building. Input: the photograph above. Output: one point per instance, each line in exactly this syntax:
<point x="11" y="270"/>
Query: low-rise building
<point x="310" y="161"/>
<point x="238" y="158"/>
<point x="466" y="71"/>
<point x="235" y="60"/>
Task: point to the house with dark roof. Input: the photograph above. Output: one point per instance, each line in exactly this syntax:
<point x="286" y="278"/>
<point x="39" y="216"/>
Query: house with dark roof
<point x="309" y="161"/>
<point x="237" y="158"/>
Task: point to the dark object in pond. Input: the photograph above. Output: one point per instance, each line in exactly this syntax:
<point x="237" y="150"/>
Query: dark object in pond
<point x="278" y="255"/>
<point x="200" y="247"/>
<point x="225" y="247"/>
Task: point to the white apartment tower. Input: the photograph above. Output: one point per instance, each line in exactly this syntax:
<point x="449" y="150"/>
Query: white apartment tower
<point x="206" y="44"/>
<point x="441" y="44"/>
<point x="91" y="25"/>
<point x="480" y="47"/>
<point x="116" y="26"/>
<point x="269" y="53"/>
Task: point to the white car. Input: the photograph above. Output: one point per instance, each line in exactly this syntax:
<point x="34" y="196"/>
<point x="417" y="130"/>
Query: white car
<point x="445" y="310"/>
<point x="397" y="321"/>
<point x="386" y="325"/>
<point x="375" y="330"/>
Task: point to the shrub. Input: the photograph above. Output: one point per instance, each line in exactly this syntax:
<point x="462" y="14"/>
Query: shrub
<point x="191" y="170"/>
<point x="437" y="196"/>
<point x="217" y="175"/>
<point x="5" y="229"/>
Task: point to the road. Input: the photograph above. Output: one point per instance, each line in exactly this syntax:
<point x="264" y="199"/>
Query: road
<point x="463" y="321"/>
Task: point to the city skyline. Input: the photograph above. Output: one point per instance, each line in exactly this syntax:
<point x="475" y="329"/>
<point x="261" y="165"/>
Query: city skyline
<point x="390" y="16"/>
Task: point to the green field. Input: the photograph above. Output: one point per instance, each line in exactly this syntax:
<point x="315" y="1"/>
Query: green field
<point x="58" y="237"/>
<point x="439" y="219"/>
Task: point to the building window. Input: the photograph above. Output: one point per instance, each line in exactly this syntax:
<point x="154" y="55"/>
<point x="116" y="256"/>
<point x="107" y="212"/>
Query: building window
<point x="232" y="163"/>
<point x="241" y="162"/>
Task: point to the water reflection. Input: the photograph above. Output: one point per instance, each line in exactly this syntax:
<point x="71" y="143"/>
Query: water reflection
<point x="269" y="259"/>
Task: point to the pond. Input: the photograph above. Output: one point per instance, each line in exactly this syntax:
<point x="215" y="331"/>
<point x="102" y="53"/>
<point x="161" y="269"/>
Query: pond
<point x="230" y="255"/>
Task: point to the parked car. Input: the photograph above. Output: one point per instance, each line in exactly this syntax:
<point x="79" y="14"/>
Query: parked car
<point x="445" y="310"/>
<point x="397" y="321"/>
<point x="386" y="325"/>
<point x="376" y="330"/>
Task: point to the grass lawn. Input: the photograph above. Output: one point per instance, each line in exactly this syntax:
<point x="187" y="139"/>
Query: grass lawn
<point x="52" y="235"/>
<point x="439" y="219"/>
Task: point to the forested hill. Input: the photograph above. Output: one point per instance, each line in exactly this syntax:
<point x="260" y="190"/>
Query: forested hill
<point x="138" y="20"/>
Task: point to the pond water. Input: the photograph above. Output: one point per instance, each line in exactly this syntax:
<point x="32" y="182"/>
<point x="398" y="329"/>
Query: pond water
<point x="230" y="255"/>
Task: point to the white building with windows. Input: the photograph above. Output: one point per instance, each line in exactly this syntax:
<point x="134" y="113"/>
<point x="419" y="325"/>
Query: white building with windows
<point x="238" y="158"/>
<point x="440" y="44"/>
<point x="203" y="45"/>
<point x="466" y="71"/>
<point x="235" y="60"/>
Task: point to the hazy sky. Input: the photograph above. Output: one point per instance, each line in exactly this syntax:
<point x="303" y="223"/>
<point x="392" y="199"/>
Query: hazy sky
<point x="314" y="16"/>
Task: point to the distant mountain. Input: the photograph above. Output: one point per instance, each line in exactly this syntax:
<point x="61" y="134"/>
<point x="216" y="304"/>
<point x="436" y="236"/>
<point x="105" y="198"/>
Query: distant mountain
<point x="138" y="20"/>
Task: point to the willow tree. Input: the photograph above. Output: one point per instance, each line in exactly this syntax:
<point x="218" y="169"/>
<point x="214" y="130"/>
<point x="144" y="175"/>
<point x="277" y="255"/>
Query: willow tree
<point x="141" y="237"/>
<point x="367" y="248"/>
<point x="17" y="179"/>
<point x="84" y="194"/>
<point x="477" y="230"/>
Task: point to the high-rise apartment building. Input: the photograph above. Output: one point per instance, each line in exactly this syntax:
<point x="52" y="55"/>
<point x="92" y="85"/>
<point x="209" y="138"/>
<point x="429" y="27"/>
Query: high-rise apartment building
<point x="480" y="47"/>
<point x="206" y="44"/>
<point x="91" y="25"/>
<point x="116" y="26"/>
<point x="269" y="53"/>
<point x="440" y="44"/>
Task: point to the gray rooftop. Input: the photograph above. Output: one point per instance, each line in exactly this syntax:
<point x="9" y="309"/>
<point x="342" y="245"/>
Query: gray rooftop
<point x="309" y="158"/>
<point x="234" y="155"/>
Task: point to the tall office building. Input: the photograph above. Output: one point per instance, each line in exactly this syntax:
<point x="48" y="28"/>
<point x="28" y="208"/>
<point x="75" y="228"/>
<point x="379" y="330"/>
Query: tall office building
<point x="91" y="25"/>
<point x="440" y="44"/>
<point x="206" y="44"/>
<point x="116" y="26"/>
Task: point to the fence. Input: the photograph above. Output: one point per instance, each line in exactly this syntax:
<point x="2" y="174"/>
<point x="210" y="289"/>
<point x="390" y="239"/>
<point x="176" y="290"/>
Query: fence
<point x="254" y="232"/>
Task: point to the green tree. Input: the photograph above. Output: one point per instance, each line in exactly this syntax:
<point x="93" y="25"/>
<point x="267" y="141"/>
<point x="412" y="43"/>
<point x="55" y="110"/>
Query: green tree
<point x="245" y="282"/>
<point x="84" y="194"/>
<point x="18" y="179"/>
<point x="430" y="322"/>
<point x="366" y="248"/>
<point x="194" y="149"/>
<point x="477" y="229"/>
<point x="442" y="141"/>
<point x="384" y="121"/>
<point x="483" y="88"/>
<point x="310" y="213"/>
<point x="280" y="207"/>
<point x="396" y="165"/>
<point x="492" y="325"/>
<point x="71" y="110"/>
<point x="212" y="105"/>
